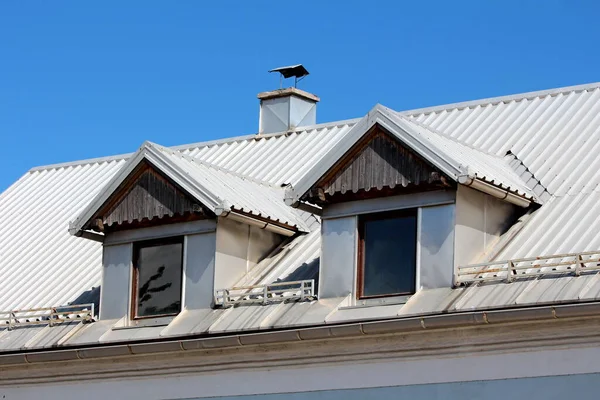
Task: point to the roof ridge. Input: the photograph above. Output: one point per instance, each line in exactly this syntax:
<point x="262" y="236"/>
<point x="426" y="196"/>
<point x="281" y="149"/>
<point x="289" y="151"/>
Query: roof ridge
<point x="87" y="161"/>
<point x="189" y="146"/>
<point x="501" y="99"/>
<point x="258" y="136"/>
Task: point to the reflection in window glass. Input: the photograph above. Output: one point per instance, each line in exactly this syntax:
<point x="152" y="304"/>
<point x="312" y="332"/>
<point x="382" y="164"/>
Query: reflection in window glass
<point x="389" y="243"/>
<point x="158" y="279"/>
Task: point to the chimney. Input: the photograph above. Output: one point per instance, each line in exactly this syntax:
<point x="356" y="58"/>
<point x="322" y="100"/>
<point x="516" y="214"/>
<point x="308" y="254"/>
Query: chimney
<point x="283" y="110"/>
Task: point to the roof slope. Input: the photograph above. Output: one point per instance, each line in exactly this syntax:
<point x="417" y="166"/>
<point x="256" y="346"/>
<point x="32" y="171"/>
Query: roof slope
<point x="40" y="263"/>
<point x="555" y="133"/>
<point x="487" y="167"/>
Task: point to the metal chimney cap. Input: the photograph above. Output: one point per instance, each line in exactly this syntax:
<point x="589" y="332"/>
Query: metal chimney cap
<point x="297" y="71"/>
<point x="287" y="92"/>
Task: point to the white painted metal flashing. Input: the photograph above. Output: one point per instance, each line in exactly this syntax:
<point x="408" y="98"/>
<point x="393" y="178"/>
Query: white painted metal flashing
<point x="161" y="231"/>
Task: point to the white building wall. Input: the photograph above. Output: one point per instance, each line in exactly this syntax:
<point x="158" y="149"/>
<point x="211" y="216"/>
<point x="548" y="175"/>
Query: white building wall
<point x="583" y="386"/>
<point x="550" y="374"/>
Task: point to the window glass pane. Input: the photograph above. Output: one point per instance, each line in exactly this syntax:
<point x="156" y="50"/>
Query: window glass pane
<point x="159" y="279"/>
<point x="389" y="255"/>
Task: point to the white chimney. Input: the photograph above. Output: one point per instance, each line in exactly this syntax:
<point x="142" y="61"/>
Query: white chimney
<point x="283" y="110"/>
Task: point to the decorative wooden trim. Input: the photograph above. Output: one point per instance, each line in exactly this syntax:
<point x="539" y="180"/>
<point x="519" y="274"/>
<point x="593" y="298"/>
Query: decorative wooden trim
<point x="147" y="198"/>
<point x="379" y="164"/>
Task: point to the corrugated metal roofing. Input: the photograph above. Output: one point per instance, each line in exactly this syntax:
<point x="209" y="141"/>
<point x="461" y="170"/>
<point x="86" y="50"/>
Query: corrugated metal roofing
<point x="567" y="224"/>
<point x="36" y="209"/>
<point x="241" y="194"/>
<point x="40" y="263"/>
<point x="489" y="168"/>
<point x="524" y="293"/>
<point x="278" y="159"/>
<point x="555" y="133"/>
<point x="552" y="137"/>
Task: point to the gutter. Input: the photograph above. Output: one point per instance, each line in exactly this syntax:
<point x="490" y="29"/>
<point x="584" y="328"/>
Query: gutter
<point x="398" y="325"/>
<point x="88" y="235"/>
<point x="503" y="194"/>
<point x="258" y="223"/>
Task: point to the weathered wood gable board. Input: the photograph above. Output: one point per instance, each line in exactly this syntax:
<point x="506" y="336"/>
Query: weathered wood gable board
<point x="378" y="163"/>
<point x="146" y="195"/>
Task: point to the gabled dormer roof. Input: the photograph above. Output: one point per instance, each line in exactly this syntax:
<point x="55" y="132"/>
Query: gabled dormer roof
<point x="463" y="164"/>
<point x="217" y="190"/>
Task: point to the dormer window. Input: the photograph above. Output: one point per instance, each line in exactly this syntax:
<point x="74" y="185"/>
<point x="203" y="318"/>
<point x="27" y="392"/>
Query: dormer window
<point x="162" y="207"/>
<point x="406" y="204"/>
<point x="157" y="277"/>
<point x="387" y="254"/>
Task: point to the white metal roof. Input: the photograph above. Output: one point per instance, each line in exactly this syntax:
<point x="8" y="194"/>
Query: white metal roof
<point x="479" y="164"/>
<point x="552" y="138"/>
<point x="555" y="133"/>
<point x="42" y="265"/>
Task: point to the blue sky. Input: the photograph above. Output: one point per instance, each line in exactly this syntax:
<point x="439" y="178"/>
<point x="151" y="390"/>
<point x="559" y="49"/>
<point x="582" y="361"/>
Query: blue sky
<point x="89" y="79"/>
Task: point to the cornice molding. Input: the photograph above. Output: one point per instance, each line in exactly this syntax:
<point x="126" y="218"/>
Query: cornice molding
<point x="514" y="337"/>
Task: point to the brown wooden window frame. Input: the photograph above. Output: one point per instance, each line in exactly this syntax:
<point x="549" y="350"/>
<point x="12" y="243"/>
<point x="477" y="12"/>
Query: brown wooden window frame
<point x="135" y="274"/>
<point x="362" y="219"/>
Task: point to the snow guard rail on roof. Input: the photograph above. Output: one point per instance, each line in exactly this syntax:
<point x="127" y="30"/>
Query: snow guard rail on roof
<point x="558" y="264"/>
<point x="265" y="294"/>
<point x="47" y="316"/>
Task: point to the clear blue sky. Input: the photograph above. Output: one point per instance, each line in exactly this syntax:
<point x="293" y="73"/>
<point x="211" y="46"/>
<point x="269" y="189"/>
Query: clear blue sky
<point x="88" y="79"/>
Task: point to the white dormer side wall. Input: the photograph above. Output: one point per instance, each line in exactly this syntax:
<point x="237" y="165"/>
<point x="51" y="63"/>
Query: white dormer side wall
<point x="480" y="220"/>
<point x="239" y="248"/>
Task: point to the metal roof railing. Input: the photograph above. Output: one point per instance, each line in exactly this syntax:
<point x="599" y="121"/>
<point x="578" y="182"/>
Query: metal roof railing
<point x="265" y="294"/>
<point x="47" y="316"/>
<point x="510" y="270"/>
